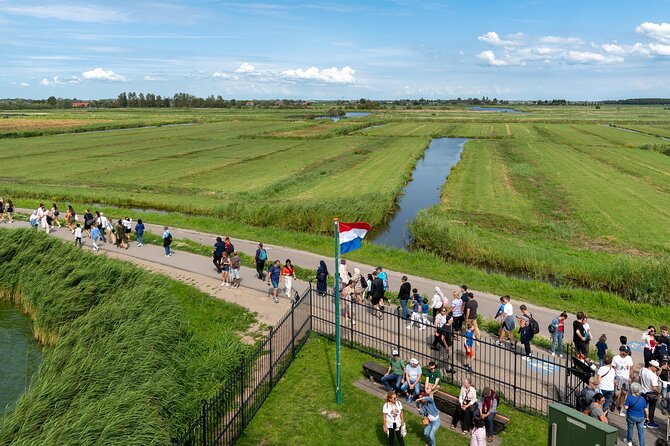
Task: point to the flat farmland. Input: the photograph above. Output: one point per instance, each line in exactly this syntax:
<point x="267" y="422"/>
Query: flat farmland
<point x="581" y="204"/>
<point x="234" y="169"/>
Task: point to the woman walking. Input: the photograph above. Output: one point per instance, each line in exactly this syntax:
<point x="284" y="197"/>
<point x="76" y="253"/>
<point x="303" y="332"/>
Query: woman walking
<point x="437" y="302"/>
<point x="70" y="218"/>
<point x="139" y="232"/>
<point x="636" y="414"/>
<point x="54" y="215"/>
<point x="428" y="410"/>
<point x="9" y="209"/>
<point x="359" y="286"/>
<point x="322" y="279"/>
<point x="120" y="235"/>
<point x="393" y="419"/>
<point x="288" y="272"/>
<point x="2" y="210"/>
<point x="225" y="269"/>
<point x="347" y="294"/>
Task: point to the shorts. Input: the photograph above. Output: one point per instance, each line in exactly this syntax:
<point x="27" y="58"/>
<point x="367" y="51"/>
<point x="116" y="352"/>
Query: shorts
<point x="509" y="323"/>
<point x="621" y="385"/>
<point x="275" y="283"/>
<point x="226" y="268"/>
<point x="469" y="352"/>
<point x="236" y="273"/>
<point x="126" y="230"/>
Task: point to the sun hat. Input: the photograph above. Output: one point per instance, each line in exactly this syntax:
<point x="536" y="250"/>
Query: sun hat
<point x="654" y="363"/>
<point x="415" y="361"/>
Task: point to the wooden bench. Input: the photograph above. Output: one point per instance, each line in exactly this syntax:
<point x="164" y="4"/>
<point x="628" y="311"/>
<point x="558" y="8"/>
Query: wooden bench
<point x="444" y="401"/>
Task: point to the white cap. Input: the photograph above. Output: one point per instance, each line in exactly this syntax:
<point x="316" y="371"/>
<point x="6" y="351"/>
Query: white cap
<point x="414" y="361"/>
<point x="394" y="353"/>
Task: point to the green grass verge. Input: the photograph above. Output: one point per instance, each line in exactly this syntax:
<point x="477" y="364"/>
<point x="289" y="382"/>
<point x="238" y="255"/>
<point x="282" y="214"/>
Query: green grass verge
<point x="128" y="354"/>
<point x="311" y="416"/>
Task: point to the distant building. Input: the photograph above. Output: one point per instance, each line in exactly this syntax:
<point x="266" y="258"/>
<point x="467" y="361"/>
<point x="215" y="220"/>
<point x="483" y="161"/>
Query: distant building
<point x="81" y="105"/>
<point x="250" y="103"/>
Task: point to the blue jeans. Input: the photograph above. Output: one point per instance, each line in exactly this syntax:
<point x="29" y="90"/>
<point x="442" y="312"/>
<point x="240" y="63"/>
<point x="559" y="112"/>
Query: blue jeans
<point x="391" y="381"/>
<point x="608" y="398"/>
<point x="557" y="338"/>
<point x="139" y="238"/>
<point x="167" y="250"/>
<point x="488" y="421"/>
<point x="417" y="389"/>
<point x="430" y="430"/>
<point x="405" y="310"/>
<point x="632" y="422"/>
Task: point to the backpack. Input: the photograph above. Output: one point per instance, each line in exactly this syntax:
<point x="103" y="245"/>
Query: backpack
<point x="364" y="283"/>
<point x="263" y="255"/>
<point x="553" y="327"/>
<point x="230" y="248"/>
<point x="168" y="239"/>
<point x="534" y="326"/>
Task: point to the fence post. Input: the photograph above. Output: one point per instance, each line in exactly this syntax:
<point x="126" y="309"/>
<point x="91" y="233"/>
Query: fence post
<point x="242" y="390"/>
<point x="271" y="335"/>
<point x="515" y="372"/>
<point x="292" y="331"/>
<point x="311" y="311"/>
<point x="397" y="316"/>
<point x="203" y="426"/>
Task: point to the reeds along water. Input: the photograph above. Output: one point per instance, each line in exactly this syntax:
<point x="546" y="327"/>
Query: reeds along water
<point x="129" y="353"/>
<point x="643" y="280"/>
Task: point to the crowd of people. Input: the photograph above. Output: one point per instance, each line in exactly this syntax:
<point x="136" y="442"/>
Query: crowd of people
<point x="474" y="413"/>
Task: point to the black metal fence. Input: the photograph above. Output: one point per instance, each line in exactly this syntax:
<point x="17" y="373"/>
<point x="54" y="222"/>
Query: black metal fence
<point x="529" y="384"/>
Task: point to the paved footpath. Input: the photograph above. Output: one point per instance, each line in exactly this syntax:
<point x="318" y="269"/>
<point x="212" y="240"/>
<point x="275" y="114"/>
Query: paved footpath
<point x="268" y="311"/>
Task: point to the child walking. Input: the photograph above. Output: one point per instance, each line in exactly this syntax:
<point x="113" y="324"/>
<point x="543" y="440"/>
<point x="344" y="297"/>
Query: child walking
<point x="601" y="345"/>
<point x="469" y="344"/>
<point x="424" y="314"/>
<point x="77" y="235"/>
<point x="95" y="235"/>
<point x="416" y="309"/>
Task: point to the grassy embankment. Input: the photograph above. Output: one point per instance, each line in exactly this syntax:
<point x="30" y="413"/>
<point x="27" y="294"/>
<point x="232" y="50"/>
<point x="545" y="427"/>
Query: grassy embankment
<point x="312" y="416"/>
<point x="128" y="354"/>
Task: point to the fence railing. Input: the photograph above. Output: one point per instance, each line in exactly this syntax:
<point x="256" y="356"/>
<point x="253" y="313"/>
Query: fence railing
<point x="529" y="384"/>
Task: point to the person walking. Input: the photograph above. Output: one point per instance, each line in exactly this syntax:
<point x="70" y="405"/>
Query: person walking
<point x="77" y="236"/>
<point x="288" y="273"/>
<point x="404" y="295"/>
<point x="235" y="263"/>
<point x="649" y="338"/>
<point x="471" y="307"/>
<point x="427" y="408"/>
<point x="457" y="311"/>
<point x="225" y="269"/>
<point x="360" y="284"/>
<point x="217" y="253"/>
<point x="649" y="386"/>
<point x="274" y="271"/>
<point x="437" y="302"/>
<point x="260" y="258"/>
<point x="9" y="210"/>
<point x="579" y="335"/>
<point x="95" y="235"/>
<point x="625" y="375"/>
<point x="556" y="330"/>
<point x="139" y="232"/>
<point x="54" y="215"/>
<point x="322" y="278"/>
<point x="506" y="315"/>
<point x="89" y="221"/>
<point x="444" y="332"/>
<point x="343" y="273"/>
<point x="393" y="419"/>
<point x="377" y="292"/>
<point x="607" y="374"/>
<point x="167" y="241"/>
<point x="601" y="347"/>
<point x="70" y="218"/>
<point x="637" y="413"/>
<point x="415" y="318"/>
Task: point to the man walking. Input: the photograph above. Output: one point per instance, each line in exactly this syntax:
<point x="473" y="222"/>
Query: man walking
<point x="261" y="257"/>
<point x="273" y="277"/>
<point x="650" y="390"/>
<point x="235" y="263"/>
<point x="403" y="296"/>
<point x="217" y="253"/>
<point x="471" y="307"/>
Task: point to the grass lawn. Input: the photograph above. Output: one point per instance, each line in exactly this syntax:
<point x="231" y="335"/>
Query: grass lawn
<point x="302" y="410"/>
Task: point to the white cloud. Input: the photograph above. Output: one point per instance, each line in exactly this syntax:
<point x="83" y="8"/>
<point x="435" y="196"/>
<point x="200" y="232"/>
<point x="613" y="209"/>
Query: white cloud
<point x="492" y="38"/>
<point x="70" y="13"/>
<point x="659" y="50"/>
<point x="333" y="75"/>
<point x="24" y="84"/>
<point x="657" y="31"/>
<point x="98" y="74"/>
<point x="245" y="68"/>
<point x="613" y="48"/>
<point x="587" y="57"/>
<point x="150" y="78"/>
<point x="489" y="58"/>
<point x="56" y="80"/>
<point x="562" y="40"/>
<point x="219" y="75"/>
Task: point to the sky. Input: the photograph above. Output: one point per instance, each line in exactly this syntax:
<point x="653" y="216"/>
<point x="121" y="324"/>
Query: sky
<point x="338" y="49"/>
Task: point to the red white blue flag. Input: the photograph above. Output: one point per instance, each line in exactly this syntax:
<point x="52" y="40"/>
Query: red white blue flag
<point x="351" y="235"/>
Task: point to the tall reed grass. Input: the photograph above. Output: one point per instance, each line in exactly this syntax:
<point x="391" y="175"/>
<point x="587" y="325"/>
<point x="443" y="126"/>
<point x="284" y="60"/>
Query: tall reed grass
<point x="129" y="354"/>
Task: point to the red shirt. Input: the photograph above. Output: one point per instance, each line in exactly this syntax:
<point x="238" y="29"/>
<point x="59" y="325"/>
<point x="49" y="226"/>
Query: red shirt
<point x="560" y="325"/>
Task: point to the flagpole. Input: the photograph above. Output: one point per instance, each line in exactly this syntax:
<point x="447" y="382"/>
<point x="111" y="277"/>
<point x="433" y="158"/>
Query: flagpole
<point x="337" y="310"/>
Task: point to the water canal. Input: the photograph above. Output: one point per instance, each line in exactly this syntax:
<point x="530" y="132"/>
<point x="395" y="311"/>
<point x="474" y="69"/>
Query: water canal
<point x="421" y="192"/>
<point x="496" y="110"/>
<point x="19" y="355"/>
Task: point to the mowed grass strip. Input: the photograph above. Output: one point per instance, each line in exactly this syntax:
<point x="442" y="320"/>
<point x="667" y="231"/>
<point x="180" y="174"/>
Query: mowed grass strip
<point x="128" y="354"/>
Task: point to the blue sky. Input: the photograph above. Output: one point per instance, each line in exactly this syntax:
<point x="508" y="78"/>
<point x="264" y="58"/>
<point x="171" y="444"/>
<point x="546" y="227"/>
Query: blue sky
<point x="337" y="49"/>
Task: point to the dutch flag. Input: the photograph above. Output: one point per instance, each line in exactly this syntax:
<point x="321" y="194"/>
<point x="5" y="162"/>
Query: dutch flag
<point x="351" y="235"/>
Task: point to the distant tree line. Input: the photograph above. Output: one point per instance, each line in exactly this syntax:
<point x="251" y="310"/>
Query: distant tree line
<point x="641" y="101"/>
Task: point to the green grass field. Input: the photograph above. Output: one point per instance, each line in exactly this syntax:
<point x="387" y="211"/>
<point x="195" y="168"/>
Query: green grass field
<point x="551" y="195"/>
<point x="310" y="415"/>
<point x="128" y="355"/>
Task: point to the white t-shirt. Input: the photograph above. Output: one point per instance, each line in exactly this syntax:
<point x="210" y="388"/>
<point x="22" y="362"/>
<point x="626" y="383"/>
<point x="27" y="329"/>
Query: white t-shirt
<point x="508" y="310"/>
<point x="392" y="412"/>
<point x="77" y="232"/>
<point x="437" y="301"/>
<point x="622" y="366"/>
<point x="648" y="380"/>
<point x="457" y="307"/>
<point x="440" y="320"/>
<point x="606" y="374"/>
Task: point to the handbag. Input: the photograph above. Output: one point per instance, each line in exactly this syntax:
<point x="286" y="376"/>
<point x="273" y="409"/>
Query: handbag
<point x="425" y="421"/>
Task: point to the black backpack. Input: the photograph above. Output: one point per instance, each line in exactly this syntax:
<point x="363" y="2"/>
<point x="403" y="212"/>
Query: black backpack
<point x="230" y="249"/>
<point x="364" y="283"/>
<point x="168" y="239"/>
<point x="534" y="326"/>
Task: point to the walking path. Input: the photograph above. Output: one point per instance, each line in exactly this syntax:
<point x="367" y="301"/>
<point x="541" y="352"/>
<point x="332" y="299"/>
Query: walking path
<point x="488" y="303"/>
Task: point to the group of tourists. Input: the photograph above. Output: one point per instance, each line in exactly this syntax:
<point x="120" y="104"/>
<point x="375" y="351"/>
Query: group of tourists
<point x="476" y="414"/>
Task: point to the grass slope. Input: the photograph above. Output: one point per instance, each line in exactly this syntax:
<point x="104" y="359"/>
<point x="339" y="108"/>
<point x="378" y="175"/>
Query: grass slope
<point x="128" y="355"/>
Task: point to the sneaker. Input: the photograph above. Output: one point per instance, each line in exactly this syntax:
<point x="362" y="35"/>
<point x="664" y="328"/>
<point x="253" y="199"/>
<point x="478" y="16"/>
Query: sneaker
<point x="645" y="425"/>
<point x="497" y="342"/>
<point x="276" y="300"/>
<point x="409" y="327"/>
<point x="629" y="443"/>
<point x="622" y="412"/>
<point x="653" y="425"/>
<point x="561" y="355"/>
<point x="227" y="284"/>
<point x="553" y="354"/>
<point x="221" y="283"/>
